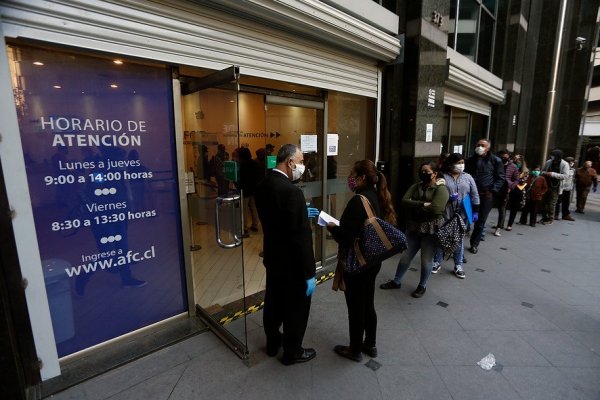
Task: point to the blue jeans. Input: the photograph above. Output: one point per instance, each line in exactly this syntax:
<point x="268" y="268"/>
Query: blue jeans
<point x="417" y="241"/>
<point x="458" y="254"/>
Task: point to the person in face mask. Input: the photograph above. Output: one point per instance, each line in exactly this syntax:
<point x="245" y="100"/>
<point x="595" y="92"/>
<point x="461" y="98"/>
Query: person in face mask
<point x="511" y="174"/>
<point x="488" y="172"/>
<point x="288" y="257"/>
<point x="535" y="190"/>
<point x="425" y="202"/>
<point x="365" y="180"/>
<point x="564" y="199"/>
<point x="555" y="170"/>
<point x="459" y="185"/>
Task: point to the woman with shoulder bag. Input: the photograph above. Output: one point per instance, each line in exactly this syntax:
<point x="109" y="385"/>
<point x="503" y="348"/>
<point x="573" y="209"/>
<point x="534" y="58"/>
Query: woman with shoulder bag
<point x="459" y="185"/>
<point x="425" y="202"/>
<point x="367" y="181"/>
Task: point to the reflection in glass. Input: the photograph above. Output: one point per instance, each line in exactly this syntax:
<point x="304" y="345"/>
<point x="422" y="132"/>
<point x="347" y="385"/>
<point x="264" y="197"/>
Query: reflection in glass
<point x="452" y="24"/>
<point x="490" y="5"/>
<point x="486" y="41"/>
<point x="466" y="42"/>
<point x="353" y="119"/>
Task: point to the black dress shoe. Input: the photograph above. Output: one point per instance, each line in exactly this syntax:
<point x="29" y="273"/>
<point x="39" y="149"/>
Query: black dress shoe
<point x="371" y="351"/>
<point x="419" y="292"/>
<point x="346" y="352"/>
<point x="303" y="355"/>
<point x="473" y="249"/>
<point x="390" y="285"/>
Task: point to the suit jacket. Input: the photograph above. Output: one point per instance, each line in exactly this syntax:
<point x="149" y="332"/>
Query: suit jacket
<point x="288" y="250"/>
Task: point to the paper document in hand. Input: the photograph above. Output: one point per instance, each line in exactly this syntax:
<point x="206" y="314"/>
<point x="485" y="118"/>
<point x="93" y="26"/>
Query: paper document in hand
<point x="325" y="218"/>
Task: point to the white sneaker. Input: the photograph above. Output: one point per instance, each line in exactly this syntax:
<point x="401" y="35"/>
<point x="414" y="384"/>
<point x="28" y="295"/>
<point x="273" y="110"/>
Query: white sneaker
<point x="436" y="267"/>
<point x="458" y="271"/>
<point x="497" y="233"/>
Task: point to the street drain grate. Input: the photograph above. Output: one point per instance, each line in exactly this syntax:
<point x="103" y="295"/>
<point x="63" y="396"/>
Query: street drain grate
<point x="442" y="304"/>
<point x="528" y="305"/>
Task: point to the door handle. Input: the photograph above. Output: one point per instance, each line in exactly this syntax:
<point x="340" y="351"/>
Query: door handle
<point x="233" y="202"/>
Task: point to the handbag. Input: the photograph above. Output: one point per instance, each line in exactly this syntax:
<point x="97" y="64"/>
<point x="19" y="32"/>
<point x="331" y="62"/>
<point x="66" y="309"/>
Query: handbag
<point x="378" y="240"/>
<point x="451" y="233"/>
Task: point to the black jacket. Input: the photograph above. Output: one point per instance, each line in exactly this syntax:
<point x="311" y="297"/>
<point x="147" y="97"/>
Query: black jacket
<point x="487" y="171"/>
<point x="353" y="218"/>
<point x="288" y="249"/>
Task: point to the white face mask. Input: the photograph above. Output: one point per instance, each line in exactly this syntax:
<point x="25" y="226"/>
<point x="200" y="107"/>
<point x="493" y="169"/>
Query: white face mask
<point x="480" y="150"/>
<point x="459" y="167"/>
<point x="297" y="173"/>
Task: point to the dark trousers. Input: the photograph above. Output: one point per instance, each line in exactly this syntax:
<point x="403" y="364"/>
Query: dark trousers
<point x="286" y="304"/>
<point x="513" y="213"/>
<point x="562" y="204"/>
<point x="582" y="194"/>
<point x="531" y="209"/>
<point x="501" y="201"/>
<point x="360" y="299"/>
<point x="551" y="198"/>
<point x="485" y="206"/>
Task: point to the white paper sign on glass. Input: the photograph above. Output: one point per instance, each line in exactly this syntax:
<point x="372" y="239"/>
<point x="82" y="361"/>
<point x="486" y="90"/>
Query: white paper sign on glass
<point x="308" y="143"/>
<point x="333" y="140"/>
<point x="429" y="133"/>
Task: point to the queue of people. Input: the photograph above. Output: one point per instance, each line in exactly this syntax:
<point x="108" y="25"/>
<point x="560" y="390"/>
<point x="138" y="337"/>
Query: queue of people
<point x="449" y="188"/>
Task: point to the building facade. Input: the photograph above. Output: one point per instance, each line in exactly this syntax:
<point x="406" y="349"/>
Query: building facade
<point x="123" y="124"/>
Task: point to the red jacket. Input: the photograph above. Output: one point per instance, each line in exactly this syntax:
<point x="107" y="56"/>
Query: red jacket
<point x="537" y="187"/>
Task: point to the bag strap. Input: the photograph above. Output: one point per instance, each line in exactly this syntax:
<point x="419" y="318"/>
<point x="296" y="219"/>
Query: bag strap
<point x="373" y="221"/>
<point x="367" y="205"/>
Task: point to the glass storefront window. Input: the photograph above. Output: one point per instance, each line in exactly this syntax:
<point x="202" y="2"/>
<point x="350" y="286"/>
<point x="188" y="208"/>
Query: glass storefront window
<point x="352" y="118"/>
<point x="464" y="129"/>
<point x="98" y="139"/>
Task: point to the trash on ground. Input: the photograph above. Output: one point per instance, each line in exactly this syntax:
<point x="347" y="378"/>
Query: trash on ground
<point x="487" y="362"/>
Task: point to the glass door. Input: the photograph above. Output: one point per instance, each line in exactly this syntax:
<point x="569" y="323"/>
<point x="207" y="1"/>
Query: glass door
<point x="301" y="123"/>
<point x="212" y="141"/>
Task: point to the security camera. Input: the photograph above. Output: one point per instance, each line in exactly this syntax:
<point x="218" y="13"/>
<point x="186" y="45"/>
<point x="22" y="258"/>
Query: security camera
<point x="580" y="40"/>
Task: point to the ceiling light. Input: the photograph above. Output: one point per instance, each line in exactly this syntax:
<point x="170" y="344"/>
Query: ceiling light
<point x="118" y="62"/>
<point x="114" y="86"/>
<point x="39" y="63"/>
<point x="57" y="87"/>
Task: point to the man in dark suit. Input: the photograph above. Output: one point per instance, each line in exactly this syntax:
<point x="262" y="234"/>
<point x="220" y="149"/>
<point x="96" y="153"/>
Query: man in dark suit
<point x="288" y="257"/>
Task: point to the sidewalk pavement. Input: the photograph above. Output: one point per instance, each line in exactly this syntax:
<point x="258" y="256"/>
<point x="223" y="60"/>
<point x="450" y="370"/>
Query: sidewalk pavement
<point x="531" y="298"/>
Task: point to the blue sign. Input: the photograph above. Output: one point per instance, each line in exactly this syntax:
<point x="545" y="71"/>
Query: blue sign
<point x="99" y="148"/>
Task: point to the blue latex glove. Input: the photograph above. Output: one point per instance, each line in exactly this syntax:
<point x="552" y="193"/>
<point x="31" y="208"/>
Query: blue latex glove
<point x="475" y="216"/>
<point x="312" y="212"/>
<point x="310" y="286"/>
<point x="594" y="189"/>
<point x="454" y="197"/>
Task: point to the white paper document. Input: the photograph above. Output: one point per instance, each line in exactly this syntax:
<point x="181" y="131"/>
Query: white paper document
<point x="325" y="218"/>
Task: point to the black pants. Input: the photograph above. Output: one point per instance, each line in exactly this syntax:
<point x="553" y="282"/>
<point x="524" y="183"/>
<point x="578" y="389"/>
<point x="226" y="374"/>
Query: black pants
<point x="562" y="204"/>
<point x="531" y="209"/>
<point x="485" y="206"/>
<point x="286" y="304"/>
<point x="360" y="299"/>
<point x="501" y="200"/>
